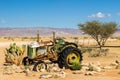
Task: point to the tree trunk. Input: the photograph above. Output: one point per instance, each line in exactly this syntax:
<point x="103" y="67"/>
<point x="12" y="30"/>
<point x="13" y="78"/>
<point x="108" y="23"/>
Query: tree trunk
<point x="100" y="48"/>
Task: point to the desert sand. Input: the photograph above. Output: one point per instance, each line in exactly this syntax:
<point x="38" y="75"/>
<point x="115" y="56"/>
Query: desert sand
<point x="109" y="74"/>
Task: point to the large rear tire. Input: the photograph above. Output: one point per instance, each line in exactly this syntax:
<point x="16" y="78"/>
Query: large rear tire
<point x="71" y="58"/>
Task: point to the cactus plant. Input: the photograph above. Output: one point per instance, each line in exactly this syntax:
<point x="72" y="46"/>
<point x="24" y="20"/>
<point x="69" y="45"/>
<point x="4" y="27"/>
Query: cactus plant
<point x="76" y="66"/>
<point x="14" y="54"/>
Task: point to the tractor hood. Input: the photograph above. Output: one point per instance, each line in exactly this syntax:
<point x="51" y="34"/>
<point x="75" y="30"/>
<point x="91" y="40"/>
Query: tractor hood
<point x="34" y="45"/>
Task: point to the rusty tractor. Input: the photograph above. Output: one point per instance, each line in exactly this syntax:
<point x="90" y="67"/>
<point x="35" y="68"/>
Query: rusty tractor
<point x="66" y="54"/>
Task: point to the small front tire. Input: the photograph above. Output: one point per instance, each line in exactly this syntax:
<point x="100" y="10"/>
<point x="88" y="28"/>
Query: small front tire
<point x="39" y="66"/>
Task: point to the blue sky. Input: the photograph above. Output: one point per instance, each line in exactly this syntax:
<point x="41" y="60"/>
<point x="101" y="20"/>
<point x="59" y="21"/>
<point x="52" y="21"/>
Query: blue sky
<point x="57" y="13"/>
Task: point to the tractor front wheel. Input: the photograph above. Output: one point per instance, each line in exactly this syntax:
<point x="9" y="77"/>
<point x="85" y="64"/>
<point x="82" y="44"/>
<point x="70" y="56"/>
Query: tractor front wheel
<point x="39" y="66"/>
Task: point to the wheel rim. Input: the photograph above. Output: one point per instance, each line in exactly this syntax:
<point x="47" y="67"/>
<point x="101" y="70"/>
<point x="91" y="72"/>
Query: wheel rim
<point x="73" y="57"/>
<point x="40" y="67"/>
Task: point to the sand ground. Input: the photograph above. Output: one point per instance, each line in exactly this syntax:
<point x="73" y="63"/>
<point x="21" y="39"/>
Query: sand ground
<point x="112" y="74"/>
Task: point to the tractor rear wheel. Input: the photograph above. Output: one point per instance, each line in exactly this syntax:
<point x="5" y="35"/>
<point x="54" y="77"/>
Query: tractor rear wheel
<point x="70" y="57"/>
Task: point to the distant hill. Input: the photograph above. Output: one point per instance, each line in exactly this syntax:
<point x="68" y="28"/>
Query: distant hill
<point x="30" y="32"/>
<point x="23" y="32"/>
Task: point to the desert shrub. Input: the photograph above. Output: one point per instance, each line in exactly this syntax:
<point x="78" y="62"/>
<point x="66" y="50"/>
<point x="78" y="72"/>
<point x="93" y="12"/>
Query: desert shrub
<point x="86" y="50"/>
<point x="97" y="52"/>
<point x="83" y="50"/>
<point x="89" y="50"/>
<point x="104" y="52"/>
<point x="10" y="38"/>
<point x="22" y="39"/>
<point x="33" y="38"/>
<point x="14" y="54"/>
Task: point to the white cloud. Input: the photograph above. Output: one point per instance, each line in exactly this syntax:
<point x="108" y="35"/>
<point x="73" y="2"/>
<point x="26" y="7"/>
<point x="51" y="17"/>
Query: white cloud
<point x="99" y="15"/>
<point x="91" y="16"/>
<point x="2" y="21"/>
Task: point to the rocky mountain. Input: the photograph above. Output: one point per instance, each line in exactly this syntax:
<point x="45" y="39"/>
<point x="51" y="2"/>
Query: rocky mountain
<point x="23" y="32"/>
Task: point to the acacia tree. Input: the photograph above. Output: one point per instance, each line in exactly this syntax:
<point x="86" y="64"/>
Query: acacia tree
<point x="100" y="31"/>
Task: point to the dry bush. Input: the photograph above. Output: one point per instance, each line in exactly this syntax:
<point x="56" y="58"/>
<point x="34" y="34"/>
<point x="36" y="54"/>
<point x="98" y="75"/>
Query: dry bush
<point x="14" y="54"/>
<point x="97" y="52"/>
